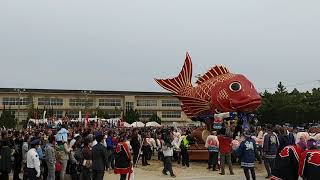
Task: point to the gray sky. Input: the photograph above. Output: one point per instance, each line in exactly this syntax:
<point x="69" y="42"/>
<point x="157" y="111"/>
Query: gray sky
<point x="123" y="45"/>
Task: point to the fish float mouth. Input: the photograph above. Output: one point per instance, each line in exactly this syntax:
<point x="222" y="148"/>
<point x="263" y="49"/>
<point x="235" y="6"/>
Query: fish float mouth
<point x="246" y="105"/>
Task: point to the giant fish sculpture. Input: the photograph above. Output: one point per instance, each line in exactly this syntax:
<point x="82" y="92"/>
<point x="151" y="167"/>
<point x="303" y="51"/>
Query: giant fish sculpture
<point x="217" y="91"/>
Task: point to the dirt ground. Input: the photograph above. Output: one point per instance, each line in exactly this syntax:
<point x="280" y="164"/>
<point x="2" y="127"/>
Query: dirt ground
<point x="197" y="170"/>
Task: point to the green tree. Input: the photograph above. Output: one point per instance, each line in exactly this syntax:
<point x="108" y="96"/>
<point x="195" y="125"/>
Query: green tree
<point x="102" y="114"/>
<point x="31" y="108"/>
<point x="131" y="116"/>
<point x="294" y="107"/>
<point x="7" y="119"/>
<point x="155" y="118"/>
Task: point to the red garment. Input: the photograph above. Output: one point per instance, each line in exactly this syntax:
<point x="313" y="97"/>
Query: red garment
<point x="122" y="159"/>
<point x="309" y="164"/>
<point x="225" y="144"/>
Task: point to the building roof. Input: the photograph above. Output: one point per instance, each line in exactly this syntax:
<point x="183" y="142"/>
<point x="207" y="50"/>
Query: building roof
<point x="96" y="92"/>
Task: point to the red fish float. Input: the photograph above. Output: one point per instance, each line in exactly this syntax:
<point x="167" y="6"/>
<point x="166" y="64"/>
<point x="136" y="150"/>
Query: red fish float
<point x="218" y="90"/>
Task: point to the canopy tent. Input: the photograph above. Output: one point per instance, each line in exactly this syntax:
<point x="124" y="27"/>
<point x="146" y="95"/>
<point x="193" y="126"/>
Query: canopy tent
<point x="153" y="124"/>
<point x="137" y="124"/>
<point x="125" y="124"/>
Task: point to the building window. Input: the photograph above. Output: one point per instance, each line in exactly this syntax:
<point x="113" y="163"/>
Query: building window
<point x="171" y="114"/>
<point x="171" y="103"/>
<point x="15" y="101"/>
<point x="114" y="114"/>
<point x="129" y="105"/>
<point x="50" y="102"/>
<point x="146" y="114"/>
<point x="74" y="114"/>
<point x="109" y="102"/>
<point x="146" y="102"/>
<point x="59" y="113"/>
<point x="80" y="102"/>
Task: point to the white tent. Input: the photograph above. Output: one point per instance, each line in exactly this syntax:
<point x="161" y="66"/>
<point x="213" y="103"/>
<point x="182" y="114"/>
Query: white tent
<point x="137" y="124"/>
<point x="125" y="124"/>
<point x="153" y="124"/>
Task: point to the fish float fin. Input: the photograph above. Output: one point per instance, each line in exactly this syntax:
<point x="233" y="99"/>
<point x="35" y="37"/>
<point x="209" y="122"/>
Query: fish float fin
<point x="186" y="110"/>
<point x="182" y="80"/>
<point x="213" y="72"/>
<point x="194" y="106"/>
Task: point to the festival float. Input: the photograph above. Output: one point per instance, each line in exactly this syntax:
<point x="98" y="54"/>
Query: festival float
<point x="217" y="98"/>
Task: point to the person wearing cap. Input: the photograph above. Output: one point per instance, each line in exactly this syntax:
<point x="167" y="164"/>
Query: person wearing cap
<point x="184" y="146"/>
<point x="309" y="164"/>
<point x="247" y="153"/>
<point x="99" y="158"/>
<point x="33" y="161"/>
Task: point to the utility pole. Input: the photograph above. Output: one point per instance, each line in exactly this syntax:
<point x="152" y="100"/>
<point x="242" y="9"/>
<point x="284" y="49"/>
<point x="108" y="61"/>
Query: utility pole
<point x="19" y="91"/>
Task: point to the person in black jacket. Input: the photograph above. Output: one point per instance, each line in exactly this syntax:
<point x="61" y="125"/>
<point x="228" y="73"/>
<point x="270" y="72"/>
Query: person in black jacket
<point x="135" y="144"/>
<point x="5" y="160"/>
<point x="17" y="155"/>
<point x="99" y="158"/>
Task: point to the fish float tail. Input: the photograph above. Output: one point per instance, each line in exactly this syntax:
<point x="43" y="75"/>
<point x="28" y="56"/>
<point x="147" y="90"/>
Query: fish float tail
<point x="182" y="80"/>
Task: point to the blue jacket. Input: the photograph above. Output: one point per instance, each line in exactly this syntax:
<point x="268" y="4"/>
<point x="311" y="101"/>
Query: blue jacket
<point x="40" y="153"/>
<point x="247" y="152"/>
<point x="62" y="135"/>
<point x="110" y="143"/>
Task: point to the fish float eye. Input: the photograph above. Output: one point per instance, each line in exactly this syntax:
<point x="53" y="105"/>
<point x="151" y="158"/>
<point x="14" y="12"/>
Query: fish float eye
<point x="235" y="86"/>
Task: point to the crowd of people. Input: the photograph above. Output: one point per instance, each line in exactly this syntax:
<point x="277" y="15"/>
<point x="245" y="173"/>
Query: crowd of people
<point x="86" y="152"/>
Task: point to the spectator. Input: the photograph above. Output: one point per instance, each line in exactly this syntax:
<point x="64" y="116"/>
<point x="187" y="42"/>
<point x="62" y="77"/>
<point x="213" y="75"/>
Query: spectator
<point x="225" y="152"/>
<point x="99" y="158"/>
<point x="270" y="149"/>
<point x="50" y="158"/>
<point x="212" y="144"/>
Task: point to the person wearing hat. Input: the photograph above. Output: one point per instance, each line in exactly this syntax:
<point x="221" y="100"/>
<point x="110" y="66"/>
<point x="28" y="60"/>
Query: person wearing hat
<point x="99" y="158"/>
<point x="247" y="153"/>
<point x="309" y="164"/>
<point x="33" y="161"/>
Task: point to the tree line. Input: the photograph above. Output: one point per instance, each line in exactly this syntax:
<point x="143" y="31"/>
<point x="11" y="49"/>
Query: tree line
<point x="293" y="107"/>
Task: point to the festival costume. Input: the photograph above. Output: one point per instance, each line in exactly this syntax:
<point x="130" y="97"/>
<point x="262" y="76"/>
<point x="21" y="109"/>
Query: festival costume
<point x="247" y="152"/>
<point x="123" y="163"/>
<point x="287" y="163"/>
<point x="309" y="165"/>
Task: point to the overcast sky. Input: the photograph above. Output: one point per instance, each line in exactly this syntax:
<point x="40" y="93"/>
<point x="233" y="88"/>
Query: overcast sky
<point x="123" y="45"/>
